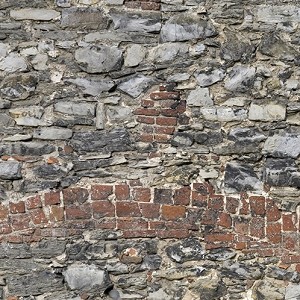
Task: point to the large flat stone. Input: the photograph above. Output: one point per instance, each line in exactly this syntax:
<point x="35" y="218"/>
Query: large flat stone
<point x="13" y="63"/>
<point x="71" y="108"/>
<point x="52" y="133"/>
<point x="10" y="170"/>
<point x="269" y="112"/>
<point x="34" y="14"/>
<point x="136" y="85"/>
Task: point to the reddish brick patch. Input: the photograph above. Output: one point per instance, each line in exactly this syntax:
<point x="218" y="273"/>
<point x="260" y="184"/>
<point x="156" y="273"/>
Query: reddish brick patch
<point x="101" y="192"/>
<point x="173" y="212"/>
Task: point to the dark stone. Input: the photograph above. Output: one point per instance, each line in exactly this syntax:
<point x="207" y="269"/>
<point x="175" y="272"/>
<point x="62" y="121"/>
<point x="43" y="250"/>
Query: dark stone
<point x="181" y="139"/>
<point x="15" y="251"/>
<point x="10" y="170"/>
<point x="241" y="177"/>
<point x="281" y="274"/>
<point x="35" y="186"/>
<point x="116" y="140"/>
<point x="208" y="138"/>
<point x="24" y="149"/>
<point x="48" y="248"/>
<point x="220" y="254"/>
<point x="187" y="250"/>
<point x="246" y="135"/>
<point x="151" y="262"/>
<point x="49" y="172"/>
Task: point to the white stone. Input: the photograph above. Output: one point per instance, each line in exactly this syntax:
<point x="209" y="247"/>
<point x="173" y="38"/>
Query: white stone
<point x="13" y="63"/>
<point x="51" y="133"/>
<point x="199" y="97"/>
<point x="269" y="112"/>
<point x="30" y="121"/>
<point x="34" y="14"/>
<point x="134" y="55"/>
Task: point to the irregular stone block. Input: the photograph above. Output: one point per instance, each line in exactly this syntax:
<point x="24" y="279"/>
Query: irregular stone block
<point x="224" y="114"/>
<point x="34" y="14"/>
<point x="84" y="18"/>
<point x="240" y="79"/>
<point x="30" y="121"/>
<point x="118" y="113"/>
<point x="30" y="111"/>
<point x="80" y="109"/>
<point x="26" y="148"/>
<point x="210" y="77"/>
<point x="13" y="63"/>
<point x="268" y="112"/>
<point x="10" y="170"/>
<point x="277" y="13"/>
<point x="51" y="133"/>
<point x="136" y="22"/>
<point x="186" y="26"/>
<point x="48" y="248"/>
<point x="99" y="59"/>
<point x="135" y="86"/>
<point x="246" y="135"/>
<point x="199" y="97"/>
<point x="240" y="178"/>
<point x="6" y="120"/>
<point x="51" y="172"/>
<point x="208" y="138"/>
<point x="283" y="145"/>
<point x="292" y="291"/>
<point x="182" y="139"/>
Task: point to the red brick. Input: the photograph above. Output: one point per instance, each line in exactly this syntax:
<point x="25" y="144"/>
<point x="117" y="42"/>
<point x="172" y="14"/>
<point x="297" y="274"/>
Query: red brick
<point x="289" y="222"/>
<point x="273" y="231"/>
<point x="127" y="209"/>
<point x="78" y="212"/>
<point x="198" y="199"/>
<point x="219" y="237"/>
<point x="165" y="95"/>
<point x="133" y="5"/>
<point x="129" y="234"/>
<point x="122" y="192"/>
<point x="147" y="103"/>
<point x="194" y="215"/>
<point x="146" y="138"/>
<point x="257" y="205"/>
<point x="297" y="268"/>
<point x="166" y="121"/>
<point x="157" y="225"/>
<point x="19" y="222"/>
<point x="232" y="204"/>
<point x="182" y="196"/>
<point x="272" y="211"/>
<point x="52" y="198"/>
<point x="244" y="209"/>
<point x="75" y="195"/>
<point x="133" y="224"/>
<point x="169" y="112"/>
<point x="38" y="216"/>
<point x="3" y="212"/>
<point x="162" y="138"/>
<point x="164" y="130"/>
<point x="141" y="194"/>
<point x="145" y="120"/>
<point x="240" y="245"/>
<point x="216" y="202"/>
<point x="241" y="225"/>
<point x="290" y="259"/>
<point x="290" y="241"/>
<point x="209" y="217"/>
<point x="56" y="213"/>
<point x="103" y="209"/>
<point x="181" y="107"/>
<point x="257" y="227"/>
<point x="33" y="202"/>
<point x="224" y="220"/>
<point x="163" y="196"/>
<point x="170" y="212"/>
<point x="16" y="208"/>
<point x="202" y="188"/>
<point x="147" y="129"/>
<point x="169" y="104"/>
<point x="175" y="233"/>
<point x="150" y="210"/>
<point x="5" y="228"/>
<point x="101" y="192"/>
<point x="106" y="223"/>
<point x="146" y="111"/>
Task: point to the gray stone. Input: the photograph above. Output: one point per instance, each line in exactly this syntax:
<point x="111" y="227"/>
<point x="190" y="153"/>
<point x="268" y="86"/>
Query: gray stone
<point x="168" y="52"/>
<point x="282" y="172"/>
<point x="292" y="292"/>
<point x="86" y="277"/>
<point x="34" y="14"/>
<point x="199" y="97"/>
<point x="4" y="103"/>
<point x="29" y="111"/>
<point x="246" y="135"/>
<point x="99" y="59"/>
<point x="240" y="79"/>
<point x="220" y="254"/>
<point x="241" y="177"/>
<point x="210" y="77"/>
<point x="39" y="62"/>
<point x="135" y="86"/>
<point x="52" y="133"/>
<point x="84" y="18"/>
<point x="118" y="113"/>
<point x="63" y="3"/>
<point x="186" y="26"/>
<point x="114" y="2"/>
<point x="18" y="137"/>
<point x="13" y="63"/>
<point x="48" y="248"/>
<point x="10" y="170"/>
<point x="151" y="262"/>
<point x="187" y="250"/>
<point x="266" y="289"/>
<point x="100" y="116"/>
<point x="208" y="138"/>
<point x="278" y="13"/>
<point x="268" y="112"/>
<point x="6" y="120"/>
<point x="26" y="148"/>
<point x="224" y="114"/>
<point x="182" y="139"/>
<point x="283" y="145"/>
<point x="3" y="49"/>
<point x="49" y="171"/>
<point x="71" y="108"/>
<point x="35" y="283"/>
<point x="134" y="55"/>
<point x="136" y="22"/>
<point x="15" y="251"/>
<point x="104" y="141"/>
<point x="30" y="121"/>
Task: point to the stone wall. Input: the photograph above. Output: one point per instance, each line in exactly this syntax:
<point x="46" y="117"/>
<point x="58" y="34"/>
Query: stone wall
<point x="149" y="149"/>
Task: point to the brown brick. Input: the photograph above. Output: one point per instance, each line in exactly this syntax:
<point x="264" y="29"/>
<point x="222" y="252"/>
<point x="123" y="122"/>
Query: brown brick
<point x="166" y="121"/>
<point x="147" y="233"/>
<point x="290" y="259"/>
<point x="244" y="209"/>
<point x="165" y="95"/>
<point x="170" y="212"/>
<point x="145" y="120"/>
<point x="146" y="111"/>
<point x="272" y="211"/>
<point x="147" y="103"/>
<point x="133" y="5"/>
<point x="33" y="202"/>
<point x="169" y="112"/>
<point x="101" y="192"/>
<point x="209" y="217"/>
<point x="127" y="209"/>
<point x="257" y="227"/>
<point x="162" y="138"/>
<point x="17" y="208"/>
<point x="202" y="188"/>
<point x="257" y="205"/>
<point x="182" y="196"/>
<point x="3" y="212"/>
<point x="141" y="194"/>
<point x="232" y="204"/>
<point x="75" y="195"/>
<point x="181" y="107"/>
<point x="146" y="138"/>
<point x="157" y="224"/>
<point x="240" y="245"/>
<point x="175" y="233"/>
<point x="136" y="224"/>
<point x="19" y="222"/>
<point x="103" y="209"/>
<point x="150" y="210"/>
<point x="219" y="237"/>
<point x="241" y="225"/>
<point x="216" y="202"/>
<point x="290" y="241"/>
<point x="78" y="212"/>
<point x="5" y="228"/>
<point x="56" y="213"/>
<point x="198" y="199"/>
<point x="106" y="223"/>
<point x="224" y="220"/>
<point x="164" y="130"/>
<point x="289" y="222"/>
<point x="52" y="198"/>
<point x="122" y="192"/>
<point x="38" y="216"/>
<point x="163" y="196"/>
<point x="273" y="231"/>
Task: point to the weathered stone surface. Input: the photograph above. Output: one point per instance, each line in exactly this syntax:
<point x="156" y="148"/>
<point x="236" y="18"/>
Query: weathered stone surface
<point x="134" y="55"/>
<point x="10" y="170"/>
<point x="116" y="114"/>
<point x="183" y="27"/>
<point x="84" y="18"/>
<point x="240" y="79"/>
<point x="220" y="254"/>
<point x="246" y="135"/>
<point x="86" y="277"/>
<point x="283" y="145"/>
<point x="6" y="121"/>
<point x="199" y="97"/>
<point x="136" y="22"/>
<point x="241" y="177"/>
<point x="189" y="249"/>
<point x="26" y="148"/>
<point x="52" y="133"/>
<point x="269" y="112"/>
<point x="99" y="59"/>
<point x="268" y="290"/>
<point x="210" y="77"/>
<point x="135" y="86"/>
<point x="48" y="248"/>
<point x="34" y="14"/>
<point x="277" y="14"/>
<point x="224" y="114"/>
<point x="115" y="140"/>
<point x="208" y="138"/>
<point x="51" y="172"/>
<point x="81" y="109"/>
<point x="13" y="63"/>
<point x="182" y="139"/>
